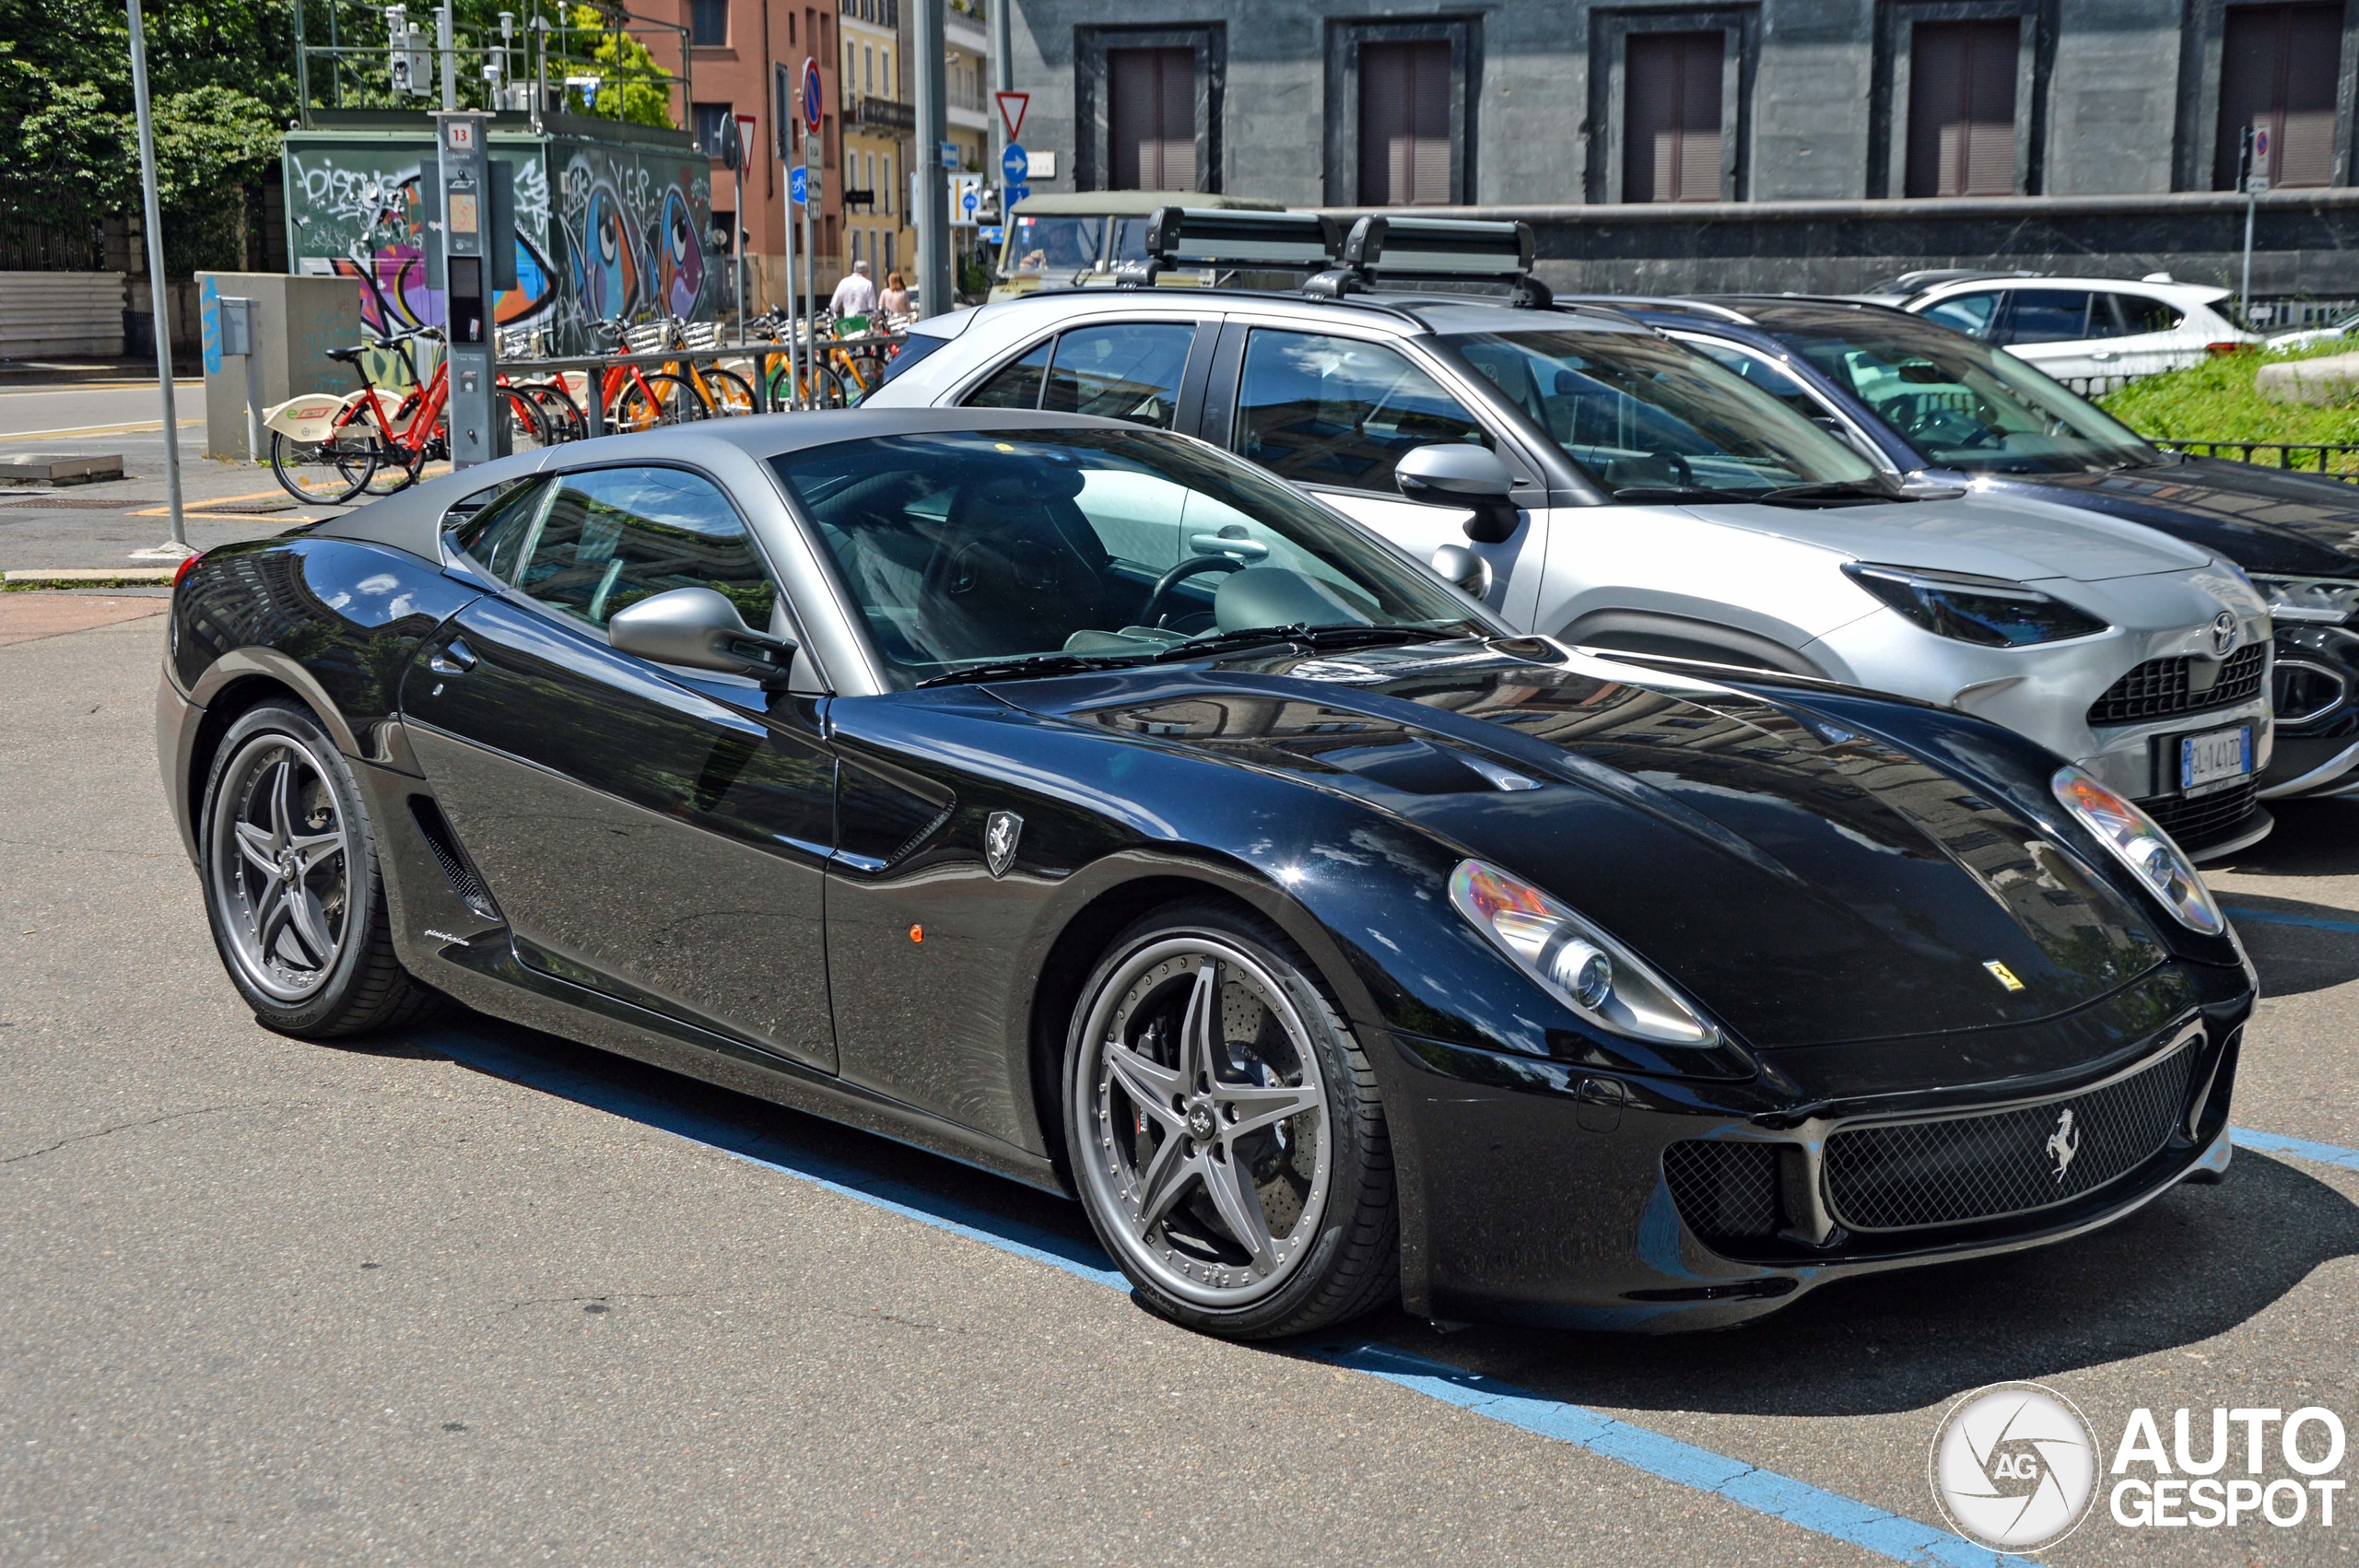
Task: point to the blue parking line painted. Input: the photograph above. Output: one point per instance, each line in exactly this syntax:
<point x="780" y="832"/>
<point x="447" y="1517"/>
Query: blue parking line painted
<point x="2300" y="1147"/>
<point x="2270" y="918"/>
<point x="1796" y="1503"/>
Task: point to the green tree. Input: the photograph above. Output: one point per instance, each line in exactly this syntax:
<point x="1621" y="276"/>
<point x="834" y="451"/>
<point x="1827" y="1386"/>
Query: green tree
<point x="633" y="83"/>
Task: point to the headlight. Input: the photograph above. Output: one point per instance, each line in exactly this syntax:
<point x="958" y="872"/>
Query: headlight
<point x="2145" y="849"/>
<point x="1988" y="610"/>
<point x="1575" y="962"/>
<point x="2309" y="598"/>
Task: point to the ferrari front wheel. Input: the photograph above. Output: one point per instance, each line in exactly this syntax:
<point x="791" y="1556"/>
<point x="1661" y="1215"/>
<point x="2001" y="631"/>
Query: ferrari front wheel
<point x="1226" y="1132"/>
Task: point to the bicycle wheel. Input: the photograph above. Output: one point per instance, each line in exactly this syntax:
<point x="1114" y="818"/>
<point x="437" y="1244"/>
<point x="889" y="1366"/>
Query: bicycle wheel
<point x="561" y="418"/>
<point x="527" y="429"/>
<point x="730" y="391"/>
<point x="828" y="389"/>
<point x="319" y="471"/>
<point x="647" y="403"/>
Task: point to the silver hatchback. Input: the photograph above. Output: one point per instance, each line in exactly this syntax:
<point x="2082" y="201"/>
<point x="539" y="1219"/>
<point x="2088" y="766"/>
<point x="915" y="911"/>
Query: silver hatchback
<point x="1596" y="482"/>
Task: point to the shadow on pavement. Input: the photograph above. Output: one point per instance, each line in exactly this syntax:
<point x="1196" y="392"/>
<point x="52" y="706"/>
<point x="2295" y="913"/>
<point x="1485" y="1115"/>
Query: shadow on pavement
<point x="2293" y="957"/>
<point x="2193" y="1264"/>
<point x="2313" y="838"/>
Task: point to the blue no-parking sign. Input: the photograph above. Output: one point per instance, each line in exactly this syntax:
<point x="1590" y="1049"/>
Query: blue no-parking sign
<point x="1015" y="163"/>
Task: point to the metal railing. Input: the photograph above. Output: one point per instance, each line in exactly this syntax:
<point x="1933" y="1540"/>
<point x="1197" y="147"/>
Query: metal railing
<point x="2336" y="460"/>
<point x="766" y="356"/>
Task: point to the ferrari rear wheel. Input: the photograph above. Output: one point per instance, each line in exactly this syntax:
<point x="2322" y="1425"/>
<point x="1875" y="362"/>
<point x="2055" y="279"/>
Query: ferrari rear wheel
<point x="1226" y="1132"/>
<point x="292" y="881"/>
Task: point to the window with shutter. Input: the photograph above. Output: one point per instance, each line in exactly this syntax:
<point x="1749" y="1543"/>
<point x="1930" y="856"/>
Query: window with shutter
<point x="1405" y="123"/>
<point x="1671" y="146"/>
<point x="708" y="24"/>
<point x="1962" y="109"/>
<point x="2277" y="69"/>
<point x="1152" y="118"/>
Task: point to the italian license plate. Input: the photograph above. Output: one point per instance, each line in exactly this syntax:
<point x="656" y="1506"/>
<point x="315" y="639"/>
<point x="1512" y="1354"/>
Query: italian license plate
<point x="2214" y="760"/>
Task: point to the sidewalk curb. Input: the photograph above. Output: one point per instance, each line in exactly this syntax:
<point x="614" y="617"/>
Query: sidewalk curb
<point x="87" y="577"/>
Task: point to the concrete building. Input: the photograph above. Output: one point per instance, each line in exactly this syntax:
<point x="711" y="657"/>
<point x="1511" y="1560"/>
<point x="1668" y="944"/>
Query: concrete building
<point x="878" y="120"/>
<point x="1789" y="143"/>
<point x="734" y="44"/>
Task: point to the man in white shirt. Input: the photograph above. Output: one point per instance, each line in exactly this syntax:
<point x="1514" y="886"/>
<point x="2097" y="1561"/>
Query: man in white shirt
<point x="855" y="296"/>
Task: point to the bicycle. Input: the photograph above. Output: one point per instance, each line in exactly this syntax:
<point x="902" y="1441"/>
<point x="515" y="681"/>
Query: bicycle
<point x="358" y="439"/>
<point x="635" y="399"/>
<point x="724" y="392"/>
<point x="840" y="377"/>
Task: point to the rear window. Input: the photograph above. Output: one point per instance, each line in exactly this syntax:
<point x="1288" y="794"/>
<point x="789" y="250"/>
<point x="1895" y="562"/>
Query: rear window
<point x="917" y="347"/>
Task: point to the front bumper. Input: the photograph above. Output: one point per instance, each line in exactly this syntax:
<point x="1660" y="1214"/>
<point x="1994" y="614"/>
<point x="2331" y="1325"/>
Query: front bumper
<point x="176" y="724"/>
<point x="2315" y="689"/>
<point x="1536" y="1192"/>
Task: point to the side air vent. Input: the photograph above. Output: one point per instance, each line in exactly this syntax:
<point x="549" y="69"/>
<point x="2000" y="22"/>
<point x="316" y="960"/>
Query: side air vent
<point x="436" y="830"/>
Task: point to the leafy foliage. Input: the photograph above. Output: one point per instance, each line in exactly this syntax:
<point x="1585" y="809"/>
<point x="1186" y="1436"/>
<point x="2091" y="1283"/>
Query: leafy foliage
<point x="222" y="79"/>
<point x="634" y="82"/>
<point x="2216" y="400"/>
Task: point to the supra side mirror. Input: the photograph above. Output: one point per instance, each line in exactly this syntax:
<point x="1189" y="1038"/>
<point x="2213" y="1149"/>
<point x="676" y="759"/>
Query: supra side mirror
<point x="1459" y="474"/>
<point x="1463" y="567"/>
<point x="698" y="628"/>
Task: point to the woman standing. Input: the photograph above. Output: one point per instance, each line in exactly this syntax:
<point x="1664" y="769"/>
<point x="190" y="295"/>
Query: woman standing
<point x="896" y="299"/>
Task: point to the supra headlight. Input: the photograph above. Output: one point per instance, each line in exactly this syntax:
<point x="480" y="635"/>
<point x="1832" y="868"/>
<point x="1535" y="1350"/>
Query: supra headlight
<point x="2309" y="598"/>
<point x="1575" y="962"/>
<point x="1988" y="610"/>
<point x="2144" y="848"/>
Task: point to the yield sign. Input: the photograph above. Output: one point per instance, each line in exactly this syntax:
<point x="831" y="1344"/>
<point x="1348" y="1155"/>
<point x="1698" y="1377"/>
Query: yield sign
<point x="1011" y="106"/>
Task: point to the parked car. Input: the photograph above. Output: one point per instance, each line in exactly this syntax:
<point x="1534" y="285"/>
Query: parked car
<point x="1934" y="407"/>
<point x="1629" y="493"/>
<point x="2087" y="328"/>
<point x="1076" y="238"/>
<point x="2341" y="327"/>
<point x="1280" y="903"/>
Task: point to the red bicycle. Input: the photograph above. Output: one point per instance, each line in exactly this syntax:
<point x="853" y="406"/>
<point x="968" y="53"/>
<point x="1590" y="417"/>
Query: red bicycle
<point x="329" y="449"/>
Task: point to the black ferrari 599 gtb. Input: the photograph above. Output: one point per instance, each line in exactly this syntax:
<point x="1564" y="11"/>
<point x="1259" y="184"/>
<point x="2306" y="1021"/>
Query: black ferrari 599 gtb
<point x="1081" y="802"/>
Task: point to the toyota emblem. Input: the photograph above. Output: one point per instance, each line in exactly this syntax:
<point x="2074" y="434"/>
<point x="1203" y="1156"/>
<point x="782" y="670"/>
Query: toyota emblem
<point x="2224" y="633"/>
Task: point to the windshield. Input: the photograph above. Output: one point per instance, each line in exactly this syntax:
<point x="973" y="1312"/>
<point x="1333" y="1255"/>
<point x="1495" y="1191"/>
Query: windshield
<point x="970" y="548"/>
<point x="1641" y="413"/>
<point x="1053" y="245"/>
<point x="1964" y="404"/>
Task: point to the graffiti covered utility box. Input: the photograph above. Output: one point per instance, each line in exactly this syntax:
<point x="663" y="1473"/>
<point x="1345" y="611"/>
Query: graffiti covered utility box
<point x="611" y="220"/>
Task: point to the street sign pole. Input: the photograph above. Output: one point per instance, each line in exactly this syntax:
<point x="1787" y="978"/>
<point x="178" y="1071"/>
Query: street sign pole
<point x="158" y="293"/>
<point x="2254" y="159"/>
<point x="785" y="120"/>
<point x="1003" y="78"/>
<point x="813" y="149"/>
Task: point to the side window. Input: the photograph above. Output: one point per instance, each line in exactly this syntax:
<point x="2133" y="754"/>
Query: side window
<point x="1766" y="374"/>
<point x="1016" y="386"/>
<point x="1968" y="313"/>
<point x="1125" y="370"/>
<point x="2130" y="315"/>
<point x="1323" y="410"/>
<point x="612" y="537"/>
<point x="494" y="535"/>
<point x="2047" y="315"/>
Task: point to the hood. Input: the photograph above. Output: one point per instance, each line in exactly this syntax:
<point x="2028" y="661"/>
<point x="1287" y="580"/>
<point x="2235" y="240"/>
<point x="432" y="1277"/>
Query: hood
<point x="1807" y="884"/>
<point x="2018" y="536"/>
<point x="2265" y="519"/>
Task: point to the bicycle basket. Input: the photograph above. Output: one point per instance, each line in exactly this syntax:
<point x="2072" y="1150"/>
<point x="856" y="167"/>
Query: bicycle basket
<point x="701" y="335"/>
<point x="647" y="337"/>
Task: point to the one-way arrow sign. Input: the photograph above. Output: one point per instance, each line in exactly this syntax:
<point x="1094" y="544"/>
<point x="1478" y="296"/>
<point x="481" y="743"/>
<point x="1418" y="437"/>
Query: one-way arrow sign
<point x="1011" y="106"/>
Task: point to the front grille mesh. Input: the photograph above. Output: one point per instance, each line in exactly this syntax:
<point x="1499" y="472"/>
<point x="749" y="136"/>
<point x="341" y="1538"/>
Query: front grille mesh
<point x="1980" y="1167"/>
<point x="2161" y="687"/>
<point x="1724" y="1190"/>
<point x="2190" y="820"/>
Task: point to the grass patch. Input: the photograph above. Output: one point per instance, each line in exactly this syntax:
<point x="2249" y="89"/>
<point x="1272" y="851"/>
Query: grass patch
<point x="2215" y="400"/>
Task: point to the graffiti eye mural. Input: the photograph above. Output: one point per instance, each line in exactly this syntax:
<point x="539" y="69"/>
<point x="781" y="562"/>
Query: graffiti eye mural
<point x="683" y="273"/>
<point x="535" y="289"/>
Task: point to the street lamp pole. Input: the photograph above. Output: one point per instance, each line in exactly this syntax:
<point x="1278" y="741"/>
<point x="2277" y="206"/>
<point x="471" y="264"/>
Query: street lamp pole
<point x="158" y="293"/>
<point x="934" y="190"/>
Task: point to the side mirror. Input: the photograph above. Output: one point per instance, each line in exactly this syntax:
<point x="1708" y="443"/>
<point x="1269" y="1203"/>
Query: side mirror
<point x="1456" y="473"/>
<point x="698" y="628"/>
<point x="1463" y="567"/>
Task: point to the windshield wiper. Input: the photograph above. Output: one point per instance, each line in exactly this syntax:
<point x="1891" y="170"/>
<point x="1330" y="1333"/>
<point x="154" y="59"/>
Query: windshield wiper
<point x="1030" y="667"/>
<point x="1680" y="493"/>
<point x="1833" y="490"/>
<point x="1339" y="635"/>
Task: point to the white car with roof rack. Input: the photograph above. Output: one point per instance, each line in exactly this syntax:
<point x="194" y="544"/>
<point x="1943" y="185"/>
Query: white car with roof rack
<point x="1594" y="481"/>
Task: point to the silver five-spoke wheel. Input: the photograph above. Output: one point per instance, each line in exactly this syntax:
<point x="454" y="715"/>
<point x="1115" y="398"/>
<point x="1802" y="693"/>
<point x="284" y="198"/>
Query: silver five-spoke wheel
<point x="281" y="867"/>
<point x="1206" y="1114"/>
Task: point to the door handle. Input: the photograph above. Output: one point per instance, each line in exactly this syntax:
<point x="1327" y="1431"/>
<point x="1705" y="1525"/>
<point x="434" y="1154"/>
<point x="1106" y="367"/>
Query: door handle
<point x="2104" y="354"/>
<point x="456" y="658"/>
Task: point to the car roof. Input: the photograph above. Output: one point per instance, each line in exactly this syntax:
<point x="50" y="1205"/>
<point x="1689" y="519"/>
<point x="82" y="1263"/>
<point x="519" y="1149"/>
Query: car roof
<point x="1133" y="203"/>
<point x="1405" y="312"/>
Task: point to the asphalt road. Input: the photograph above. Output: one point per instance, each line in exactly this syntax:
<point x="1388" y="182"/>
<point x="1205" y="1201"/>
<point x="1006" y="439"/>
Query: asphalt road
<point x="475" y="1295"/>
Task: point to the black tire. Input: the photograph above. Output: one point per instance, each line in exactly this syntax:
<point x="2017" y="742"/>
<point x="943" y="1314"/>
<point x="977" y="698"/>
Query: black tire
<point x="732" y="393"/>
<point x="319" y="473"/>
<point x="1340" y="1257"/>
<point x="362" y="986"/>
<point x="672" y="401"/>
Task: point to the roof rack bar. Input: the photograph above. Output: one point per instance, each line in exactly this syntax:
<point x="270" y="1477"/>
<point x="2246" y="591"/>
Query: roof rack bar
<point x="1226" y="236"/>
<point x="1434" y="249"/>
